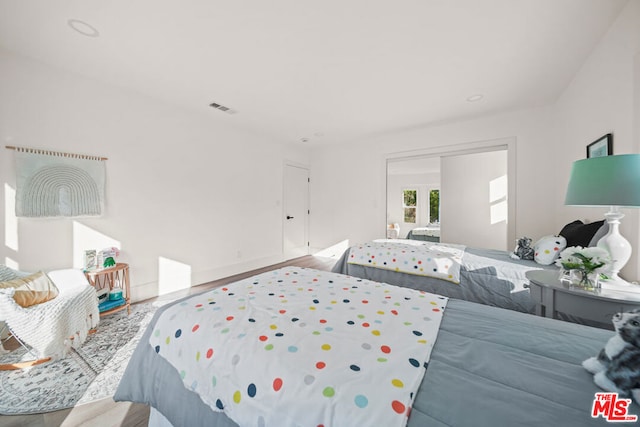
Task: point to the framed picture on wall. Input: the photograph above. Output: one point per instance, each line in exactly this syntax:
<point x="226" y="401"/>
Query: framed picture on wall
<point x="601" y="147"/>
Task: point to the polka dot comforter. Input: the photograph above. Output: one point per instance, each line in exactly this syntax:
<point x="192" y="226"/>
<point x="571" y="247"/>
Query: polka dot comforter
<point x="301" y="347"/>
<point x="438" y="260"/>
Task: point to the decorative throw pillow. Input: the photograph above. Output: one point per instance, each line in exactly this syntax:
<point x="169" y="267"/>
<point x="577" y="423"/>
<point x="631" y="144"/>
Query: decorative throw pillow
<point x="547" y="249"/>
<point x="578" y="233"/>
<point x="602" y="231"/>
<point x="31" y="290"/>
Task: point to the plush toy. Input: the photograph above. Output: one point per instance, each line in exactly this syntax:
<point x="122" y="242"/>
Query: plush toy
<point x="617" y="366"/>
<point x="523" y="249"/>
<point x="547" y="249"/>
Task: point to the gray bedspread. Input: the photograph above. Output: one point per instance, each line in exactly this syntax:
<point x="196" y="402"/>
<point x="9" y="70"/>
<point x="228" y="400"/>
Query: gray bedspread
<point x="489" y="367"/>
<point x="487" y="276"/>
<point x="424" y="237"/>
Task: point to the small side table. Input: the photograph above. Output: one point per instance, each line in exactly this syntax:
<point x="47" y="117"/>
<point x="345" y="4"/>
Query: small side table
<point x="112" y="278"/>
<point x="552" y="296"/>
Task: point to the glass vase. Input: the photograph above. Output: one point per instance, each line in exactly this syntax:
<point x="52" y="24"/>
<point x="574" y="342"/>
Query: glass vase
<point x="585" y="279"/>
<point x="565" y="275"/>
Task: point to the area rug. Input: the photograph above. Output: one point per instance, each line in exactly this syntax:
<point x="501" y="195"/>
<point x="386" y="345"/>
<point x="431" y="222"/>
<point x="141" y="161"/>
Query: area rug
<point x="89" y="373"/>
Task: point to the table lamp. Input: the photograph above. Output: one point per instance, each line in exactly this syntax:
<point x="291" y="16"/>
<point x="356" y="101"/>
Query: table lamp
<point x="612" y="181"/>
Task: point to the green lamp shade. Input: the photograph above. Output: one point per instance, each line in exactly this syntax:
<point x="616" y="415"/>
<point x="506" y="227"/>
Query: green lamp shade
<point x="605" y="181"/>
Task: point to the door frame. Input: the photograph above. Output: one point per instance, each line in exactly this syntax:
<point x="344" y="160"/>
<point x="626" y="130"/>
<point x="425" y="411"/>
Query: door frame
<point x="290" y="163"/>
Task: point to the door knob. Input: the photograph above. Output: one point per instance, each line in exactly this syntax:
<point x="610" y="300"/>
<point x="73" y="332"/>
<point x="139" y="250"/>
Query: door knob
<point x="289" y="217"/>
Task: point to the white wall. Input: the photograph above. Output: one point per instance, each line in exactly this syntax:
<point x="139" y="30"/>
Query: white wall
<point x="603" y="97"/>
<point x="193" y="190"/>
<point x="189" y="194"/>
<point x="348" y="181"/>
<point x="474" y="200"/>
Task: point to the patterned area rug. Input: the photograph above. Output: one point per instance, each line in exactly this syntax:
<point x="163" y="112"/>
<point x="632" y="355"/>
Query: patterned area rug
<point x="89" y="373"/>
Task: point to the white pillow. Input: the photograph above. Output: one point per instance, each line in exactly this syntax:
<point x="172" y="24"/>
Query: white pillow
<point x="547" y="249"/>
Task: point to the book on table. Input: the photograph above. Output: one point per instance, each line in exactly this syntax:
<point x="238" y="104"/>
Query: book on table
<point x="110" y="304"/>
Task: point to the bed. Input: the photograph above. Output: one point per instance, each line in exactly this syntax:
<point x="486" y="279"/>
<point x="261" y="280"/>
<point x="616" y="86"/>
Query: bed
<point x="487" y="276"/>
<point x="430" y="233"/>
<point x="486" y="366"/>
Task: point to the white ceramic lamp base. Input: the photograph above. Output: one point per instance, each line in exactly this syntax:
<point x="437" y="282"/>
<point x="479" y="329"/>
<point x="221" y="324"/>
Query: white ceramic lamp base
<point x="618" y="247"/>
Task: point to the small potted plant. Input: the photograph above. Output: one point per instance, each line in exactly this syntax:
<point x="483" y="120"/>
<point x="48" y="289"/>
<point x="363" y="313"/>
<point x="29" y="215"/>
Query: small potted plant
<point x="583" y="266"/>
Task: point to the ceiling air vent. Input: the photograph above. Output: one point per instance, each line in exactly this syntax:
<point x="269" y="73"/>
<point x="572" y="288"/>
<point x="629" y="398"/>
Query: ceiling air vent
<point x="222" y="108"/>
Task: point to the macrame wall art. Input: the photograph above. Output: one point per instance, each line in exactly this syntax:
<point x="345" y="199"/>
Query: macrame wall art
<point x="55" y="184"/>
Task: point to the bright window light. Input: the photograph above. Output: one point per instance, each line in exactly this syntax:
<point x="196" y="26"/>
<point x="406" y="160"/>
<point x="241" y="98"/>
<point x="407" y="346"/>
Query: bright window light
<point x="334" y="251"/>
<point x="498" y="189"/>
<point x="11" y="263"/>
<point x="172" y="276"/>
<point x="85" y="238"/>
<point x="499" y="209"/>
<point x="10" y="219"/>
<point x="499" y="212"/>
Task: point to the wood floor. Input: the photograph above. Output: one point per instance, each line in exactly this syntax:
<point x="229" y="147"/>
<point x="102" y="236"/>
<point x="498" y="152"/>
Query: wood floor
<point x="106" y="412"/>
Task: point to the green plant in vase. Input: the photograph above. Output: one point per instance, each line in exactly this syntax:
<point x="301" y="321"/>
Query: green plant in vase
<point x="587" y="263"/>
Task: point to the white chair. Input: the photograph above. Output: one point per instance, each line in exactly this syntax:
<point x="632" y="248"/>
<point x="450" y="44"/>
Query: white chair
<point x="393" y="231"/>
<point x="49" y="330"/>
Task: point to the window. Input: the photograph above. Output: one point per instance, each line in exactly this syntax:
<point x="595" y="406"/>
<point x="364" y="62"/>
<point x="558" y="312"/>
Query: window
<point x="410" y="205"/>
<point x="434" y="206"/>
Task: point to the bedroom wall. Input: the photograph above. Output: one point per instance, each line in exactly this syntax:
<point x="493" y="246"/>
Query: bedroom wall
<point x="348" y="181"/>
<point x="603" y="97"/>
<point x="191" y="197"/>
<point x="474" y="200"/>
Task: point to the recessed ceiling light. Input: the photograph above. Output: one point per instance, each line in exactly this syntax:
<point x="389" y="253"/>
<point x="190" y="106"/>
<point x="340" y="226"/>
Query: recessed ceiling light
<point x="83" y="28"/>
<point x="475" y="98"/>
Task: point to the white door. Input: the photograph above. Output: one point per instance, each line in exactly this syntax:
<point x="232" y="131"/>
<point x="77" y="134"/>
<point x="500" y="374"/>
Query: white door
<point x="296" y="211"/>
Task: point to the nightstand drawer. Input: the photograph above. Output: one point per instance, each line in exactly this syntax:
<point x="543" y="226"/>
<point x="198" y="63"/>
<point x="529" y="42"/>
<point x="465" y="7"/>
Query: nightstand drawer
<point x="589" y="308"/>
<point x="594" y="307"/>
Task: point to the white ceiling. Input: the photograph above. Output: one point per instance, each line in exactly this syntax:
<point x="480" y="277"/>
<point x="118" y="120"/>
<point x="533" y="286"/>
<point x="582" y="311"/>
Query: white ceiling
<point x="328" y="71"/>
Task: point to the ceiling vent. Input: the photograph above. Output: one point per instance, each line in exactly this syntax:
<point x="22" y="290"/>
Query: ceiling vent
<point x="222" y="108"/>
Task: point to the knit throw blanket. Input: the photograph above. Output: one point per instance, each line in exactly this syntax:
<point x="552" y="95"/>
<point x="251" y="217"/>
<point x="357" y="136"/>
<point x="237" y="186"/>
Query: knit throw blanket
<point x="50" y="329"/>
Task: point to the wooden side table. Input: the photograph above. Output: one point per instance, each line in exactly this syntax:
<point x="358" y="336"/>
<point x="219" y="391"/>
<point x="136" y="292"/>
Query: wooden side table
<point x="112" y="278"/>
<point x="552" y="296"/>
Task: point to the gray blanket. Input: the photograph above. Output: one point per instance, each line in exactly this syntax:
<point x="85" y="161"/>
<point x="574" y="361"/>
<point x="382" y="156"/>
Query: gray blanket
<point x="487" y="276"/>
<point x="489" y="367"/>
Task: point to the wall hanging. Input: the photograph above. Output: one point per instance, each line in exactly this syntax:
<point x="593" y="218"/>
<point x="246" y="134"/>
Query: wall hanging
<point x="56" y="184"/>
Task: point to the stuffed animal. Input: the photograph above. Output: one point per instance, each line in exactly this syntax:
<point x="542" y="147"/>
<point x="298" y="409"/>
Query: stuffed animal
<point x="523" y="249"/>
<point x="548" y="248"/>
<point x="617" y="366"/>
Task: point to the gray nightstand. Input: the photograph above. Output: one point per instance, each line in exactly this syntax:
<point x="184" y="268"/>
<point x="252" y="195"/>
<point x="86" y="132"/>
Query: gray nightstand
<point x="552" y="296"/>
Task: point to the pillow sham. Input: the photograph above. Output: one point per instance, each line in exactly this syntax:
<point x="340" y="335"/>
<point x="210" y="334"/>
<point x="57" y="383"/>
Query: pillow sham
<point x="578" y="233"/>
<point x="31" y="290"/>
<point x="547" y="249"/>
<point x="602" y="231"/>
